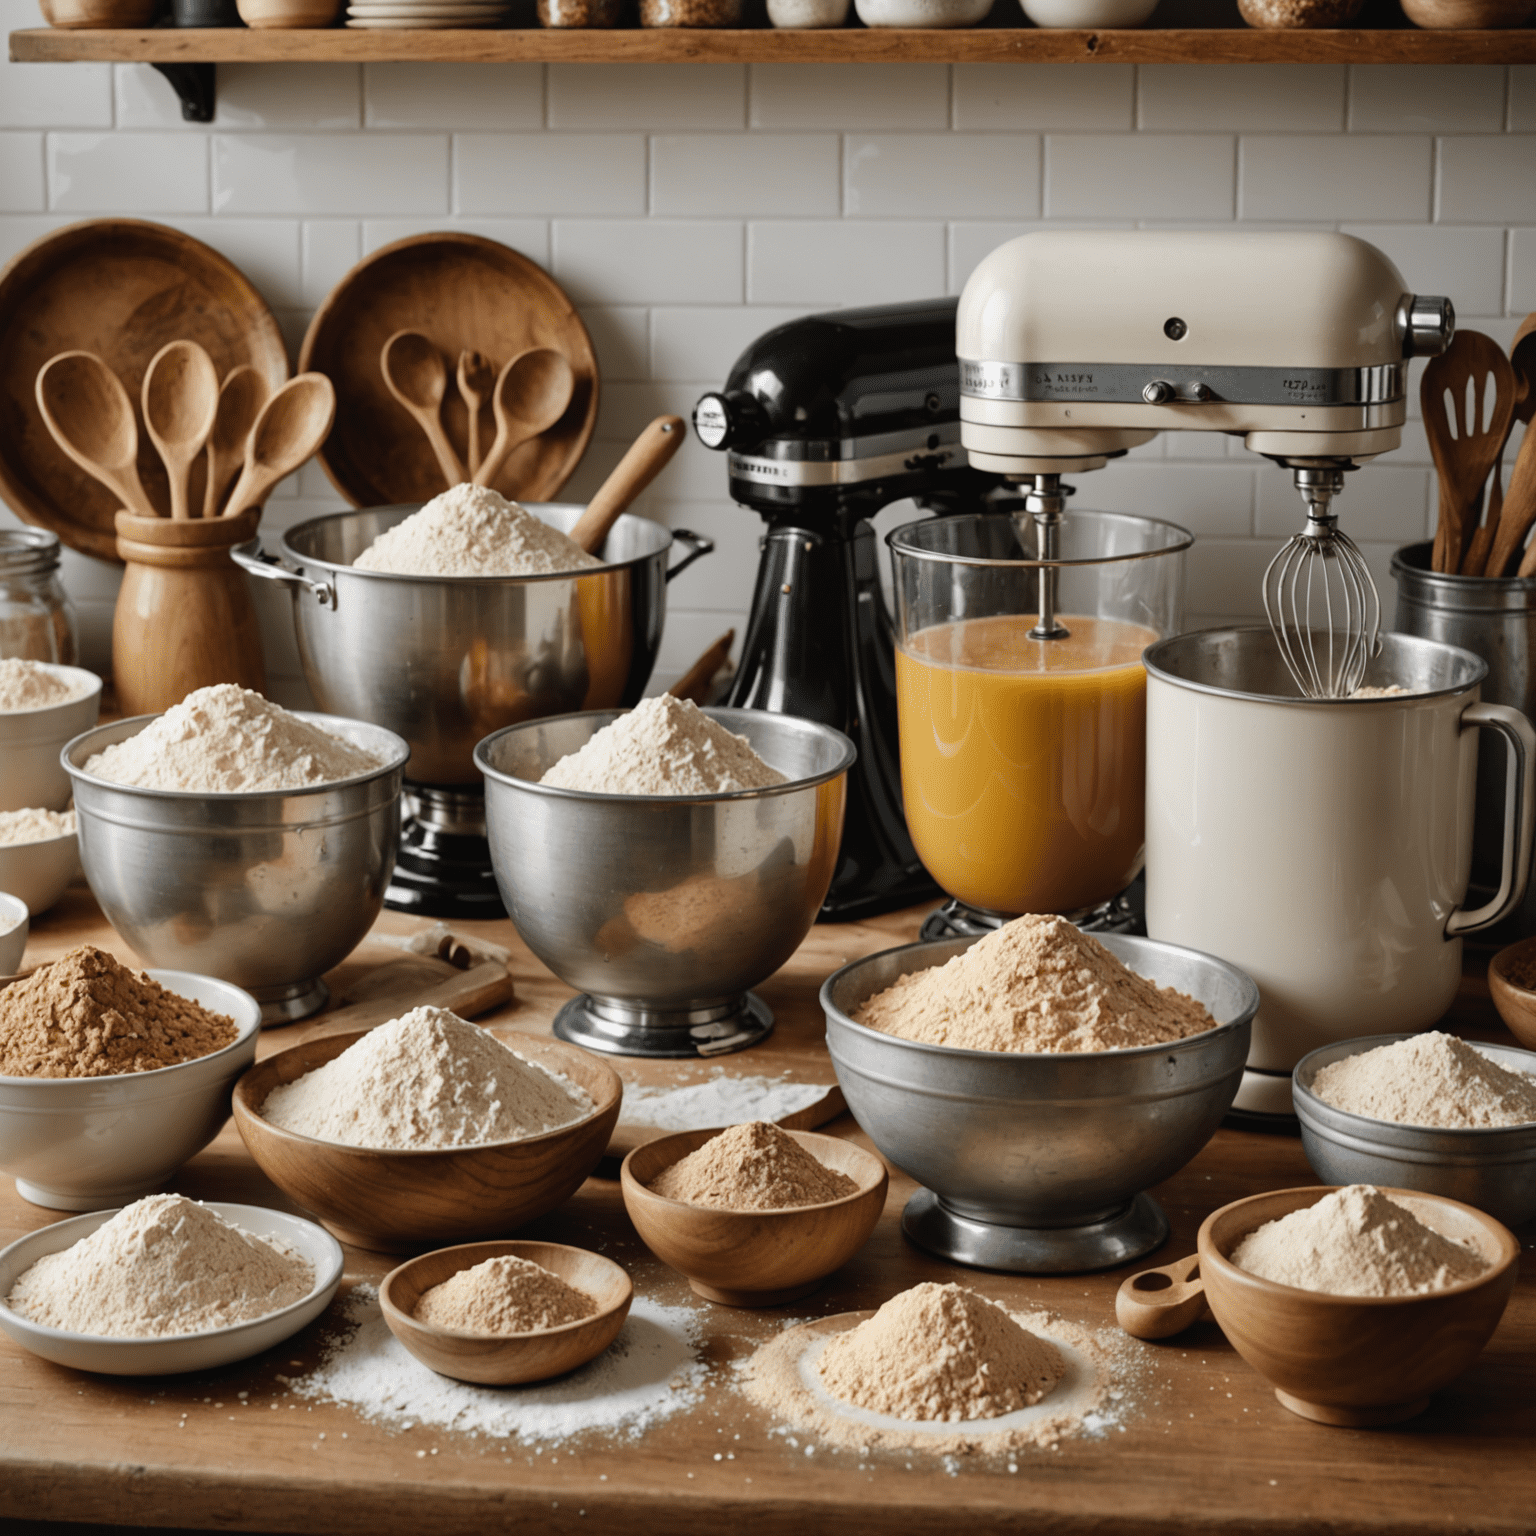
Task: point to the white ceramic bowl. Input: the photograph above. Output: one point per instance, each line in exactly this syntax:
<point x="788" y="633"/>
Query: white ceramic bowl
<point x="922" y="13"/>
<point x="84" y="1143"/>
<point x="1089" y="13"/>
<point x="39" y="873"/>
<point x="180" y="1352"/>
<point x="13" y="941"/>
<point x="31" y="739"/>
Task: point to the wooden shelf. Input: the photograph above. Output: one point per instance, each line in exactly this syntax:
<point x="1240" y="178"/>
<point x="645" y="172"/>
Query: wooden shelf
<point x="987" y="45"/>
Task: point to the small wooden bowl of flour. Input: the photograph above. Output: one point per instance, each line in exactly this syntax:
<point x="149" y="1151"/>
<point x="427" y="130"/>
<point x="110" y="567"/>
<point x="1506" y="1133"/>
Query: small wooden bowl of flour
<point x="504" y="1359"/>
<point x="1512" y="985"/>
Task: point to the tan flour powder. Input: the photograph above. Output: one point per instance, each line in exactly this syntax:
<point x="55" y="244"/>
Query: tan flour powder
<point x="426" y="1079"/>
<point x="504" y="1295"/>
<point x="664" y="746"/>
<point x="27" y="685"/>
<point x="228" y="740"/>
<point x="1037" y="984"/>
<point x="1370" y="691"/>
<point x="1356" y="1242"/>
<point x="163" y="1265"/>
<point x="1433" y="1079"/>
<point x="34" y="826"/>
<point x="752" y="1167"/>
<point x="471" y="530"/>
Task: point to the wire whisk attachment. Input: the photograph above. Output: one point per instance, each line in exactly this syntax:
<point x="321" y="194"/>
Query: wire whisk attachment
<point x="1319" y="597"/>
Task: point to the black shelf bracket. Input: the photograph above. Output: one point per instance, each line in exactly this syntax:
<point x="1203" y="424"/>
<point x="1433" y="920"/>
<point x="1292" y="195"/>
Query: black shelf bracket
<point x="194" y="84"/>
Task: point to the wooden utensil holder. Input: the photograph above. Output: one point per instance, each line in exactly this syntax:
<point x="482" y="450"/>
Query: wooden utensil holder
<point x="184" y="616"/>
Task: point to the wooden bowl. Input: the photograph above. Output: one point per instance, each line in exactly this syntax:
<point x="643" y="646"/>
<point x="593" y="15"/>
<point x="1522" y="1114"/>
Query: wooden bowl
<point x="394" y="1202"/>
<point x="504" y="1359"/>
<point x="288" y="13"/>
<point x="1516" y="1005"/>
<point x="754" y="1258"/>
<point x="98" y="13"/>
<point x="1468" y="15"/>
<point x="1355" y="1360"/>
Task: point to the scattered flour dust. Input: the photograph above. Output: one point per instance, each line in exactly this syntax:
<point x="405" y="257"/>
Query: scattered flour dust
<point x="721" y="1100"/>
<point x="471" y="530"/>
<point x="33" y="825"/>
<point x="649" y="1373"/>
<point x="27" y="685"/>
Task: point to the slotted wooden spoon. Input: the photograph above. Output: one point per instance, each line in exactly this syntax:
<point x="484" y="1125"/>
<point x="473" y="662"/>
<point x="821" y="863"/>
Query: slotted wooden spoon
<point x="477" y="378"/>
<point x="1512" y="530"/>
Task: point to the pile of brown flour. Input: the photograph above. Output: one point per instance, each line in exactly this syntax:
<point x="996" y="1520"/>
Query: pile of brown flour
<point x="87" y="1015"/>
<point x="471" y="530"/>
<point x="504" y="1295"/>
<point x="752" y="1167"/>
<point x="34" y="826"/>
<point x="163" y="1265"/>
<point x="1037" y="984"/>
<point x="426" y="1079"/>
<point x="228" y="740"/>
<point x="26" y="685"/>
<point x="1433" y="1080"/>
<point x="664" y="746"/>
<point x="1356" y="1242"/>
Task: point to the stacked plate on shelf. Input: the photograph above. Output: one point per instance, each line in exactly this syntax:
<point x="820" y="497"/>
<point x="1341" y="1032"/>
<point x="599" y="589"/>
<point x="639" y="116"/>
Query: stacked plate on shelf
<point x="434" y="15"/>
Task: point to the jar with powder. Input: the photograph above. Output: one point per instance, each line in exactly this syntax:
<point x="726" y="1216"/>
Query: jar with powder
<point x="580" y="13"/>
<point x="37" y="622"/>
<point x="690" y="13"/>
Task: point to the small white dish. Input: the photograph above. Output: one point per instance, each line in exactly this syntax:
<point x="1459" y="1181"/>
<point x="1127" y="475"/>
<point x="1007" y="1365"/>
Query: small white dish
<point x="39" y="873"/>
<point x="803" y="15"/>
<point x="180" y="1352"/>
<point x="31" y="740"/>
<point x="13" y="939"/>
<point x="922" y="13"/>
<point x="1078" y="14"/>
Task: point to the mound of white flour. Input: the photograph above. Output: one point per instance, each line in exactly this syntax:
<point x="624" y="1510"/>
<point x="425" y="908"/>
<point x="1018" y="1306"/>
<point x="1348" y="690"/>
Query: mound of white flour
<point x="34" y="826"/>
<point x="471" y="530"/>
<point x="28" y="685"/>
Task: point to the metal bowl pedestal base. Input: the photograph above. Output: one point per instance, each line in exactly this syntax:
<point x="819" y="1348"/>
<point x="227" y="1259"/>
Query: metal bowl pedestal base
<point x="287" y="1004"/>
<point x="443" y="864"/>
<point x="1137" y="1230"/>
<point x="618" y="1028"/>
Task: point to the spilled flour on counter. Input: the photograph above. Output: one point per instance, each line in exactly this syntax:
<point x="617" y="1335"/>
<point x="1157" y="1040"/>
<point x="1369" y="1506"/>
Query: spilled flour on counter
<point x="719" y="1101"/>
<point x="27" y="685"/>
<point x="650" y="1372"/>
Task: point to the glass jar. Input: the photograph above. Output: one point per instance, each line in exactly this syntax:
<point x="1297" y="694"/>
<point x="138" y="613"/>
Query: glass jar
<point x="37" y="622"/>
<point x="690" y="13"/>
<point x="579" y="13"/>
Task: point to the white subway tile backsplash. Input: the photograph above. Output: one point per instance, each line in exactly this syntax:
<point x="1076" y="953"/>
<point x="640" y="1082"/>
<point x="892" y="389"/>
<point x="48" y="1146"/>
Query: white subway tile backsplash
<point x="1326" y="176"/>
<point x="143" y="98"/>
<point x="649" y="97"/>
<point x="625" y="409"/>
<point x="18" y="231"/>
<point x="1166" y="177"/>
<point x="827" y="262"/>
<point x="969" y="243"/>
<point x="1045" y="96"/>
<point x="88" y="579"/>
<point x="44" y="95"/>
<point x="22" y="187"/>
<point x="703" y="343"/>
<point x="1225" y="577"/>
<point x="1522" y="271"/>
<point x="621" y="337"/>
<point x="1467" y="264"/>
<point x="530" y="237"/>
<point x="549" y="173"/>
<point x="1522" y="98"/>
<point x="88" y="171"/>
<point x="266" y="250"/>
<point x="330" y="174"/>
<point x="850" y="96"/>
<point x="1488" y="180"/>
<point x="764" y="175"/>
<point x="1275" y="98"/>
<point x="470" y="97"/>
<point x="1211" y="500"/>
<point x="721" y="582"/>
<point x="685" y="261"/>
<point x="329" y="249"/>
<point x="293" y="96"/>
<point x="949" y="175"/>
<point x="1441" y="98"/>
<point x="1379" y="501"/>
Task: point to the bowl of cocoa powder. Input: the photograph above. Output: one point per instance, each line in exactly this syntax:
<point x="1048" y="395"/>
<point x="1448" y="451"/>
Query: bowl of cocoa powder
<point x="111" y="1078"/>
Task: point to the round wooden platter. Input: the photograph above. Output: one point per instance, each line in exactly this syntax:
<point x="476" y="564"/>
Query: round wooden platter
<point x="121" y="288"/>
<point x="465" y="293"/>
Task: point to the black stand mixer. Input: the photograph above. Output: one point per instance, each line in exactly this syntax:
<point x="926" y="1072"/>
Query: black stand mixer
<point x="825" y="421"/>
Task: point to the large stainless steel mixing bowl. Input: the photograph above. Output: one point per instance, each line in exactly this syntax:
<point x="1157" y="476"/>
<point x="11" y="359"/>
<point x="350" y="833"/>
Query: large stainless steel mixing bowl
<point x="665" y="909"/>
<point x="444" y="661"/>
<point x="1038" y="1163"/>
<point x="263" y="890"/>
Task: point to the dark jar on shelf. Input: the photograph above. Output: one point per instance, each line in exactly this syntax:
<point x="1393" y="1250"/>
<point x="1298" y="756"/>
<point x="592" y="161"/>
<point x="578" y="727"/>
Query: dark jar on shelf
<point x="690" y="13"/>
<point x="580" y="13"/>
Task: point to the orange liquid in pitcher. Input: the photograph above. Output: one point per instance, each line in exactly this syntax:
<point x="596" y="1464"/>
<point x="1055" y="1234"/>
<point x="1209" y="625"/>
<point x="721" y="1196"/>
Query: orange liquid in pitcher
<point x="1023" y="762"/>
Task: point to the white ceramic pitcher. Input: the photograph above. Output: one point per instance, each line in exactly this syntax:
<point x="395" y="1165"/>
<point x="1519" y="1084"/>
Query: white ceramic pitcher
<point x="1324" y="846"/>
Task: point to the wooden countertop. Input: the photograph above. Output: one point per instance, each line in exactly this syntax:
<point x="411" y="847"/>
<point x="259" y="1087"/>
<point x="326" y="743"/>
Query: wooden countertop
<point x="1205" y="1446"/>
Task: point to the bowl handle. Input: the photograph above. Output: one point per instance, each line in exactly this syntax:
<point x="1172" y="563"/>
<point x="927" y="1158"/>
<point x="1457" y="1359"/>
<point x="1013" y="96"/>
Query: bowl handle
<point x="696" y="544"/>
<point x="255" y="562"/>
<point x="1519" y="800"/>
<point x="1156" y="1303"/>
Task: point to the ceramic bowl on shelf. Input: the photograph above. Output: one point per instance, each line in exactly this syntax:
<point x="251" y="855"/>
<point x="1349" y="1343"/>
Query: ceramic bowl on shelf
<point x="922" y="13"/>
<point x="99" y="13"/>
<point x="183" y="1351"/>
<point x="1089" y="13"/>
<point x="30" y="739"/>
<point x="277" y="14"/>
<point x="803" y="15"/>
<point x="15" y="920"/>
<point x="39" y="873"/>
<point x="506" y="1359"/>
<point x="1468" y="15"/>
<point x="82" y="1143"/>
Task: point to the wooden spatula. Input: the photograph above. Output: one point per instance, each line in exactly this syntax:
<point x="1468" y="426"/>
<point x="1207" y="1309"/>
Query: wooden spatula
<point x="1522" y="362"/>
<point x="648" y="455"/>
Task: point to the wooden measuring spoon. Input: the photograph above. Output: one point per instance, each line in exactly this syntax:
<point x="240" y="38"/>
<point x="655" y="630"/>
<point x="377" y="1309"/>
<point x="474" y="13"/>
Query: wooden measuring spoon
<point x="291" y="426"/>
<point x="531" y="395"/>
<point x="1522" y="362"/>
<point x="648" y="455"/>
<point x="88" y="411"/>
<point x="1157" y="1303"/>
<point x="417" y="377"/>
<point x="1465" y="440"/>
<point x="180" y="397"/>
<point x="241" y="397"/>
<point x="477" y="378"/>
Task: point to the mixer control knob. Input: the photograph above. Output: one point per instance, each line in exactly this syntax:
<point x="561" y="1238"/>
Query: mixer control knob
<point x="728" y="420"/>
<point x="1158" y="392"/>
<point x="1427" y="324"/>
<point x="1201" y="392"/>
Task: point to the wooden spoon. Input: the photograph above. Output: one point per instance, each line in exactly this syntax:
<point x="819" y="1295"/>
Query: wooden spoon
<point x="1157" y="1303"/>
<point x="417" y="377"/>
<point x="531" y="395"/>
<point x="648" y="455"/>
<point x="241" y="397"/>
<point x="180" y="397"/>
<point x="88" y="411"/>
<point x="291" y="426"/>
<point x="1464" y="449"/>
<point x="1522" y="362"/>
<point x="477" y="378"/>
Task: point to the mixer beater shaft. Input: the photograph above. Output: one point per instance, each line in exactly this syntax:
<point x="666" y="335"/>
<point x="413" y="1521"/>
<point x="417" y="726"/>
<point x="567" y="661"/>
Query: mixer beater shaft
<point x="1045" y="500"/>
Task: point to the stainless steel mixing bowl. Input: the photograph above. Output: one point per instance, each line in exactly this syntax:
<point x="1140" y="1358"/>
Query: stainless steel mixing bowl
<point x="265" y="890"/>
<point x="1038" y="1163"/>
<point x="1493" y="1169"/>
<point x="665" y="909"/>
<point x="444" y="661"/>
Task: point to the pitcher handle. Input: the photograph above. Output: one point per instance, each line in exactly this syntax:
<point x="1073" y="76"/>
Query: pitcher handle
<point x="1519" y="802"/>
<point x="254" y="561"/>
